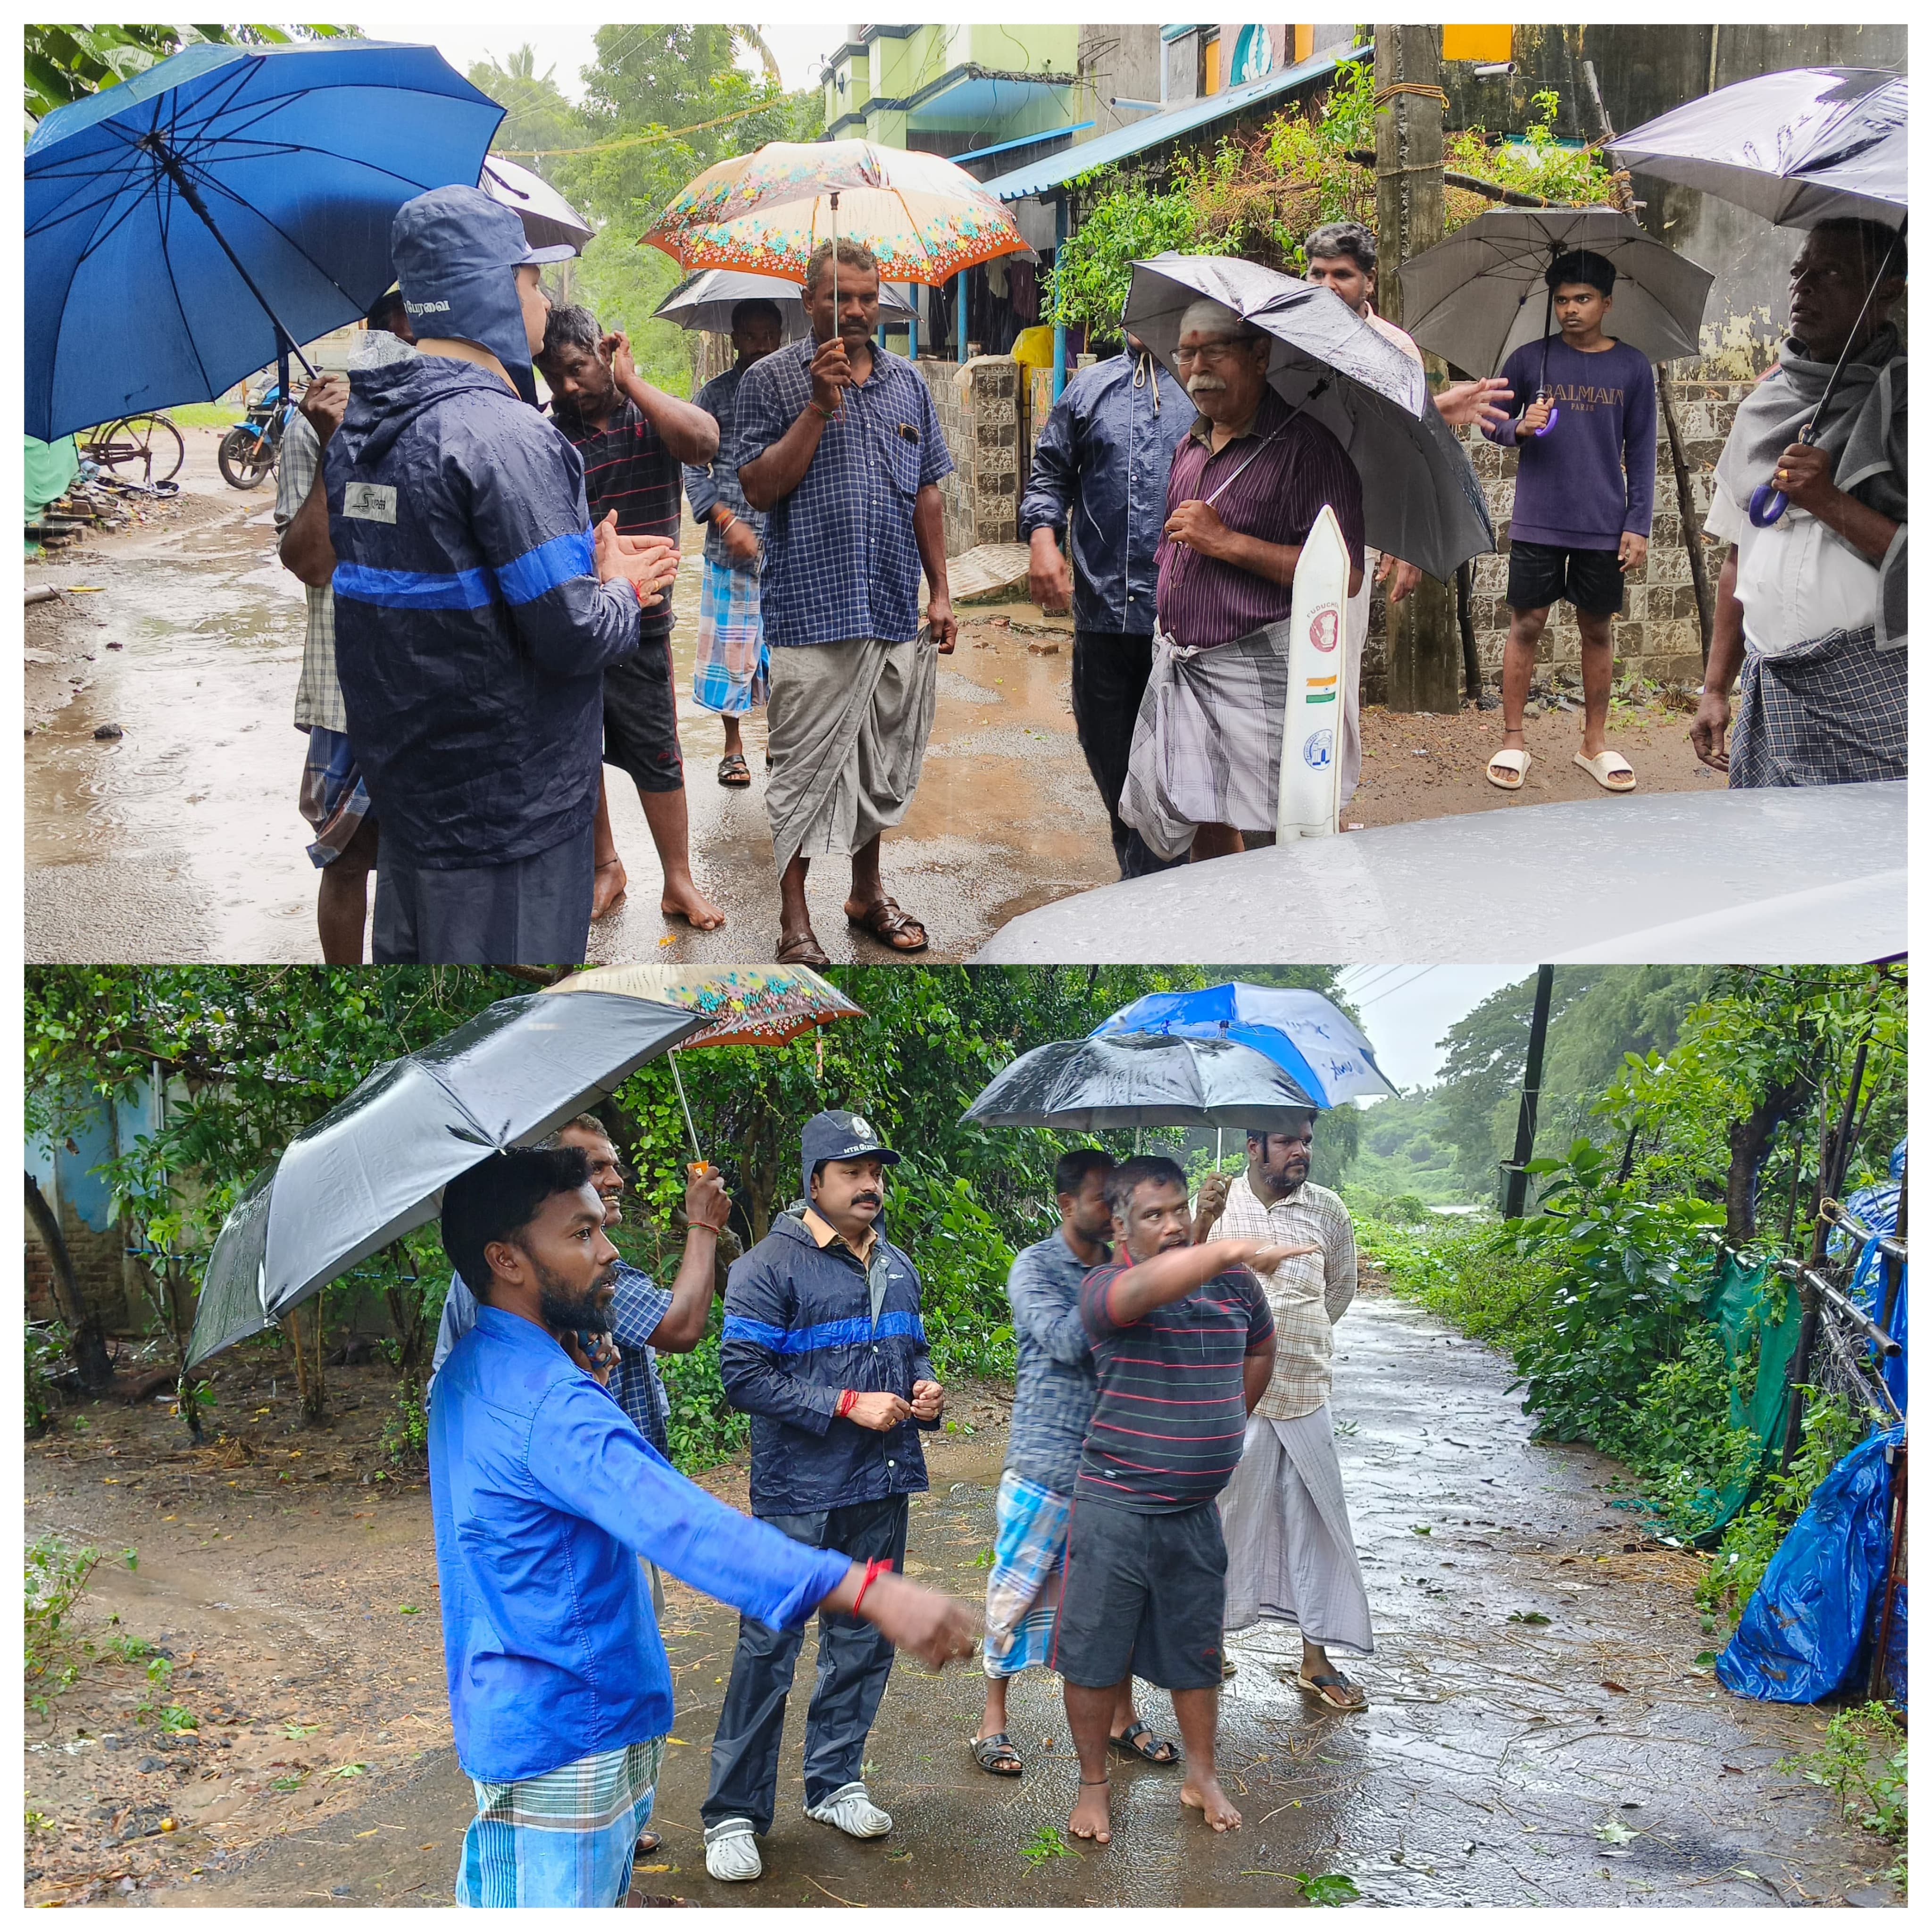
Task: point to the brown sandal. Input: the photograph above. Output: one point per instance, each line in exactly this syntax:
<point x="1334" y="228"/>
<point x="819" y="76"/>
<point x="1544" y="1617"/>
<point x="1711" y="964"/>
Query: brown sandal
<point x="733" y="772"/>
<point x="886" y="921"/>
<point x="802" y="949"/>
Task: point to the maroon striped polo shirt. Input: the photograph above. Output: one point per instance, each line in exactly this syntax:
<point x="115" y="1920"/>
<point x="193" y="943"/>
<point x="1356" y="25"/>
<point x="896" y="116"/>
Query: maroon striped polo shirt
<point x="1200" y="600"/>
<point x="1168" y="1422"/>
<point x="627" y="469"/>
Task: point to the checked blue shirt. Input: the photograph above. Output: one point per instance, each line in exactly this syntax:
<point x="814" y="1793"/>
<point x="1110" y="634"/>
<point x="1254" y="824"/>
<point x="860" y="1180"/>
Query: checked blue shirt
<point x="1056" y="1384"/>
<point x="840" y="560"/>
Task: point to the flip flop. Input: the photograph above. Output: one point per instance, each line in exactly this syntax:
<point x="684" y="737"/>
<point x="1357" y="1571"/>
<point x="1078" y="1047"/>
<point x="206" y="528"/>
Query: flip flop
<point x="1518" y="762"/>
<point x="1138" y="1740"/>
<point x="733" y="771"/>
<point x="996" y="1754"/>
<point x="1611" y="770"/>
<point x="1333" y="1690"/>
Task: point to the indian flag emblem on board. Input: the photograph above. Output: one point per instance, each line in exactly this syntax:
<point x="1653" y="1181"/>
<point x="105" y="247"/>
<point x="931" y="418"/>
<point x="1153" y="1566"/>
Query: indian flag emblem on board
<point x="1325" y="627"/>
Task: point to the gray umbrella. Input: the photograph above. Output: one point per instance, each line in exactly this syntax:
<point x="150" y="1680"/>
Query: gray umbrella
<point x="706" y="300"/>
<point x="374" y="1166"/>
<point x="1796" y="147"/>
<point x="1140" y="1080"/>
<point x="1481" y="294"/>
<point x="549" y="220"/>
<point x="1420" y="500"/>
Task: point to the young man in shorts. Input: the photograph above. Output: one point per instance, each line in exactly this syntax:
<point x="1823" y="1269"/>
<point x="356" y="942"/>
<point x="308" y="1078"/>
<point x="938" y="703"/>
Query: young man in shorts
<point x="1582" y="520"/>
<point x="1183" y="1346"/>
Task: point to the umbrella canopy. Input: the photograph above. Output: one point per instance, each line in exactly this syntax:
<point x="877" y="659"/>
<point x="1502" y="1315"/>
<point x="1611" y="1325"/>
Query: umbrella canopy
<point x="549" y="220"/>
<point x="375" y="1166"/>
<point x="1421" y="501"/>
<point x="924" y="217"/>
<point x="1481" y="294"/>
<point x="1140" y="1080"/>
<point x="1309" y="1037"/>
<point x="739" y="1005"/>
<point x="1797" y="147"/>
<point x="706" y="300"/>
<point x="172" y="221"/>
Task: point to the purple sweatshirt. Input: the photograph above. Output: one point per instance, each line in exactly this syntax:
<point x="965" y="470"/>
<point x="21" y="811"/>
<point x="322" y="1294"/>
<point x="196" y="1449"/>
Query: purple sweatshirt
<point x="1593" y="476"/>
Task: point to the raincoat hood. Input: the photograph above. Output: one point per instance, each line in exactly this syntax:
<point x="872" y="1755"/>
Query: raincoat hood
<point x="457" y="253"/>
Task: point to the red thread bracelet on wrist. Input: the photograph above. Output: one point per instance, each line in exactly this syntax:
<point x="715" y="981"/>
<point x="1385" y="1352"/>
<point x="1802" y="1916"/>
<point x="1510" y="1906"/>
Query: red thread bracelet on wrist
<point x="878" y="1566"/>
<point x="847" y="1398"/>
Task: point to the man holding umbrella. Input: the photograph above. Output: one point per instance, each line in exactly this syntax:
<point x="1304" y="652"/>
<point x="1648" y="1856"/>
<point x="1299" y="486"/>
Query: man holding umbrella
<point x="543" y="1493"/>
<point x="1810" y="607"/>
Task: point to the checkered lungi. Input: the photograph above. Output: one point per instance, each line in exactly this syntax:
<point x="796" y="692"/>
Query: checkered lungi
<point x="333" y="799"/>
<point x="1029" y="1566"/>
<point x="566" y="1838"/>
<point x="1830" y="712"/>
<point x="732" y="674"/>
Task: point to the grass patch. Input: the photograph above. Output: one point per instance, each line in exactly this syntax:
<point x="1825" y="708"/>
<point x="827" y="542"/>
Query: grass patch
<point x="203" y="415"/>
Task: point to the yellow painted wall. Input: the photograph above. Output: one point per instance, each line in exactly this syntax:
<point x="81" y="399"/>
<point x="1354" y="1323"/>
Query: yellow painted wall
<point x="1474" y="43"/>
<point x="1213" y="65"/>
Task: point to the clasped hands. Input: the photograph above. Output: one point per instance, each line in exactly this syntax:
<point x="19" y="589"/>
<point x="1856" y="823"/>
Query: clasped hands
<point x="648" y="563"/>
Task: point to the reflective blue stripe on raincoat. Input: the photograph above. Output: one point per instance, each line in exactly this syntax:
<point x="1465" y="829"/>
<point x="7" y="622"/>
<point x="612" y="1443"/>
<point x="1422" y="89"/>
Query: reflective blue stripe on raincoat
<point x="544" y="1495"/>
<point x="799" y="1328"/>
<point x="471" y="632"/>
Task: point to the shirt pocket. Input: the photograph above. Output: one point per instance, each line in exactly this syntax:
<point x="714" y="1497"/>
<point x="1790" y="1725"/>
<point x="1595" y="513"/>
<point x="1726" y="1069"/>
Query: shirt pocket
<point x="905" y="459"/>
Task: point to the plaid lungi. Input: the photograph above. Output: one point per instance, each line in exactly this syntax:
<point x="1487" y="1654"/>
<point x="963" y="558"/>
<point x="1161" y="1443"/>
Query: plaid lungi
<point x="333" y="799"/>
<point x="733" y="671"/>
<point x="566" y="1838"/>
<point x="1029" y="1565"/>
<point x="1830" y="712"/>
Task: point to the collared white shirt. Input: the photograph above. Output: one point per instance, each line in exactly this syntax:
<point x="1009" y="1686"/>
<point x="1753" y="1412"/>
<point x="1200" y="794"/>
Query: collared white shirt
<point x="1798" y="579"/>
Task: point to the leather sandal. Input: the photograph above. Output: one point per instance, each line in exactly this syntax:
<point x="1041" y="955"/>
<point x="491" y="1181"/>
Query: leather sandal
<point x="885" y="920"/>
<point x="802" y="949"/>
<point x="996" y="1754"/>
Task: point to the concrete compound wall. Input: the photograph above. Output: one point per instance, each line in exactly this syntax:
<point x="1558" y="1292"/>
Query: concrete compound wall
<point x="979" y="404"/>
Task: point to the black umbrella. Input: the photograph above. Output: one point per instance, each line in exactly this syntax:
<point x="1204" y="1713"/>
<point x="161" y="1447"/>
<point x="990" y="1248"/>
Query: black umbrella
<point x="374" y="1167"/>
<point x="1140" y="1080"/>
<point x="1420" y="499"/>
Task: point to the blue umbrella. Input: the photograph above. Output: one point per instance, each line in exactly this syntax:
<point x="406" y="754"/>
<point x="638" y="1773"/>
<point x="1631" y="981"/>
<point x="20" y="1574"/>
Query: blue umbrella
<point x="182" y="226"/>
<point x="1307" y="1036"/>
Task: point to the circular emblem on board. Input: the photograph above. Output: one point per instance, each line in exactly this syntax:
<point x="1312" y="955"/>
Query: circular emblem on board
<point x="1317" y="748"/>
<point x="1323" y="628"/>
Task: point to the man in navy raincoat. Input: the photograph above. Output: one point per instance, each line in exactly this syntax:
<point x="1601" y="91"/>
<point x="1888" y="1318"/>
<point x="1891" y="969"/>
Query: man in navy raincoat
<point x="474" y="610"/>
<point x="824" y="1345"/>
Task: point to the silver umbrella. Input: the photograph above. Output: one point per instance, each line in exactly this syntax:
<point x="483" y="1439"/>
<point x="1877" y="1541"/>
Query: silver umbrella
<point x="1420" y="500"/>
<point x="707" y="299"/>
<point x="549" y="220"/>
<point x="1482" y="294"/>
<point x="374" y="1166"/>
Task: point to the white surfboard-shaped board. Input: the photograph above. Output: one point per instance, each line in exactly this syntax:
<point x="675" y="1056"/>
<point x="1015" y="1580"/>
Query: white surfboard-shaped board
<point x="1307" y="803"/>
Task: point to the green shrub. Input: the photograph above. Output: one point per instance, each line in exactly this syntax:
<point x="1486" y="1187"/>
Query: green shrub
<point x="57" y="1577"/>
<point x="45" y="1348"/>
<point x="704" y="1429"/>
<point x="1863" y="1765"/>
<point x="963" y="1260"/>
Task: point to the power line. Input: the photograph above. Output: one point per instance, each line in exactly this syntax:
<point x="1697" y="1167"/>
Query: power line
<point x="1423" y="974"/>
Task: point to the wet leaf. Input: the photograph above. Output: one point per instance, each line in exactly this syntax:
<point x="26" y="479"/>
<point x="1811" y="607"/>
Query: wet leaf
<point x="1620" y="1690"/>
<point x="291" y="1784"/>
<point x="1046" y="1843"/>
<point x="1526" y="1617"/>
<point x="300" y="1731"/>
<point x="1421" y="1529"/>
<point x="1328" y="1887"/>
<point x="1615" y="1832"/>
<point x="409" y="1610"/>
<point x="1707" y="1659"/>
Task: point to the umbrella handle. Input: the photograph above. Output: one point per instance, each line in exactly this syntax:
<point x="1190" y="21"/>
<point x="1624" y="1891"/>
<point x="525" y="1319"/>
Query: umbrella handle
<point x="1555" y="411"/>
<point x="1768" y="502"/>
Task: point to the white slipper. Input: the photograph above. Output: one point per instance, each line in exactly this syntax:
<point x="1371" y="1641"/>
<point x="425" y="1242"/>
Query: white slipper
<point x="1610" y="769"/>
<point x="731" y="1851"/>
<point x="852" y="1811"/>
<point x="1518" y="762"/>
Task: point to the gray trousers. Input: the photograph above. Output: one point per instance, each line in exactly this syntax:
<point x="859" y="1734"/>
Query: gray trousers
<point x="854" y="1661"/>
<point x="532" y="912"/>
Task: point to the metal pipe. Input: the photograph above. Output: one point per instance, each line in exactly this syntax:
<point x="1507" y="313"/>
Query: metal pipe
<point x="1059" y="307"/>
<point x="1518" y="1182"/>
<point x="1843" y="1305"/>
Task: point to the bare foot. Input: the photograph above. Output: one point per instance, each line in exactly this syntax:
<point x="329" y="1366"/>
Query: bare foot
<point x="607" y="888"/>
<point x="1093" y="1817"/>
<point x="686" y="902"/>
<point x="1207" y="1797"/>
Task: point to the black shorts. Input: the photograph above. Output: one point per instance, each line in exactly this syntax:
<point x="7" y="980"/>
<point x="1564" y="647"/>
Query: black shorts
<point x="1539" y="574"/>
<point x="640" y="718"/>
<point x="1143" y="1596"/>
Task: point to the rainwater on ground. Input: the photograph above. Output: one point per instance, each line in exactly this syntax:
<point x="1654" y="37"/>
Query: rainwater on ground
<point x="1541" y="1729"/>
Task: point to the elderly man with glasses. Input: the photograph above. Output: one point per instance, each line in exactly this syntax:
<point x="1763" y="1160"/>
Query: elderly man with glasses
<point x="1246" y="487"/>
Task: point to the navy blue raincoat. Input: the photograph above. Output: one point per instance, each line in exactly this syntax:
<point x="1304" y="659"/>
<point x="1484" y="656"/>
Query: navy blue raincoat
<point x="471" y="632"/>
<point x="799" y="1328"/>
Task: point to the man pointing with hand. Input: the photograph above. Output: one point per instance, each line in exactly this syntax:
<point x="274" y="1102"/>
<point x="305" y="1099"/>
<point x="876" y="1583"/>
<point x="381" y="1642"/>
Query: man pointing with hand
<point x="824" y="1348"/>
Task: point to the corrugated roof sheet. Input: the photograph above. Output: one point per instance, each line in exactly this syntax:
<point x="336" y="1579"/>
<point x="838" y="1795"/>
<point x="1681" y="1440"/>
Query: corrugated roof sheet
<point x="1040" y="177"/>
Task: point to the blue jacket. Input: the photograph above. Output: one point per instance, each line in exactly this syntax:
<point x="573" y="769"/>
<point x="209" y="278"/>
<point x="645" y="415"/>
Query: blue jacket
<point x="1100" y="467"/>
<point x="544" y="1495"/>
<point x="471" y="632"/>
<point x="799" y="1328"/>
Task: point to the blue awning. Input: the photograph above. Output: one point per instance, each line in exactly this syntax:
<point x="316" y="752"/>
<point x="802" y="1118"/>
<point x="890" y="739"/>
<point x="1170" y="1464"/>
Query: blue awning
<point x="1042" y="177"/>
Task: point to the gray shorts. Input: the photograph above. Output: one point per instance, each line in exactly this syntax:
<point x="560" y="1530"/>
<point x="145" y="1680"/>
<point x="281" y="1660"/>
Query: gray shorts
<point x="1143" y="1598"/>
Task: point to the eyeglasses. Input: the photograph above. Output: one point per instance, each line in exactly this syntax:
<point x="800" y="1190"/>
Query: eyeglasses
<point x="1213" y="353"/>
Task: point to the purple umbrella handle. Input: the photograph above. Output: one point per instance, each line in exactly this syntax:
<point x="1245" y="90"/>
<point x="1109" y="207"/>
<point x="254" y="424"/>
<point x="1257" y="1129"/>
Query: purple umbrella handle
<point x="1767" y="505"/>
<point x="1555" y="411"/>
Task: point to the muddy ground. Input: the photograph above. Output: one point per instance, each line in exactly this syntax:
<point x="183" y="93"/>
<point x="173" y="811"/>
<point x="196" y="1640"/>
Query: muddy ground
<point x="1541" y="1729"/>
<point x="180" y="840"/>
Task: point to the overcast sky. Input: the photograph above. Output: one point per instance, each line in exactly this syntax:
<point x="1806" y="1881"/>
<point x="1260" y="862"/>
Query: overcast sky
<point x="1405" y="1010"/>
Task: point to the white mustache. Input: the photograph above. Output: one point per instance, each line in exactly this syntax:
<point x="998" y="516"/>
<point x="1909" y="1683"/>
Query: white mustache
<point x="1204" y="383"/>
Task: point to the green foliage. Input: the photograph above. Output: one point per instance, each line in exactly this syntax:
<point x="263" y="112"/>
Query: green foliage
<point x="57" y="1576"/>
<point x="1128" y="221"/>
<point x="963" y="1259"/>
<point x="1862" y="1764"/>
<point x="621" y="284"/>
<point x="46" y="1355"/>
<point x="67" y="64"/>
<point x="539" y="119"/>
<point x="1049" y="1842"/>
<point x="1539" y="163"/>
<point x="404" y="1442"/>
<point x="1328" y="1887"/>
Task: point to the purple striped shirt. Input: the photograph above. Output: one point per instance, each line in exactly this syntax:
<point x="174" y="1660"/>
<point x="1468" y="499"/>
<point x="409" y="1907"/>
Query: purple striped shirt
<point x="1200" y="600"/>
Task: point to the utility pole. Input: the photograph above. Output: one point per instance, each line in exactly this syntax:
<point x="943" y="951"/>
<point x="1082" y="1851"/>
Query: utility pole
<point x="1518" y="1182"/>
<point x="1425" y="663"/>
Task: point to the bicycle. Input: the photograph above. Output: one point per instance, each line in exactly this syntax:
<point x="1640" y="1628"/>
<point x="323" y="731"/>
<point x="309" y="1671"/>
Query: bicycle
<point x="250" y="450"/>
<point x="147" y="446"/>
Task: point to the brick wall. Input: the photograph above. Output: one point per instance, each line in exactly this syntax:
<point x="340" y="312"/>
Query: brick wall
<point x="1657" y="635"/>
<point x="979" y="405"/>
<point x="102" y="1273"/>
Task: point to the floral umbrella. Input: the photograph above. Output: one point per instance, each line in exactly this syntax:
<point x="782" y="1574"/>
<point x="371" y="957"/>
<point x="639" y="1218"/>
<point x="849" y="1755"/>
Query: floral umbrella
<point x="924" y="217"/>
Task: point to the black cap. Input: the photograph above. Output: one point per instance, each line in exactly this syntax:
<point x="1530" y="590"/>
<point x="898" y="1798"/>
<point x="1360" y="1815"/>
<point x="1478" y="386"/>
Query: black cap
<point x="836" y="1135"/>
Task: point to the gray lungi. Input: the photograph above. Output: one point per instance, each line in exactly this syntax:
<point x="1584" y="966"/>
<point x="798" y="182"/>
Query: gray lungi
<point x="1830" y="712"/>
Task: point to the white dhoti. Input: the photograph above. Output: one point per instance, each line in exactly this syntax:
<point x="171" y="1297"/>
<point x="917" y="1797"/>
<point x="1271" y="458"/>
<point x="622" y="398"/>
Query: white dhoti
<point x="1355" y="643"/>
<point x="1291" y="1552"/>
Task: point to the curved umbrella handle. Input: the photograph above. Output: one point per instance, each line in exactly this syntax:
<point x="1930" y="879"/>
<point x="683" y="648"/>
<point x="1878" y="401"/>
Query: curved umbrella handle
<point x="1555" y="411"/>
<point x="1768" y="502"/>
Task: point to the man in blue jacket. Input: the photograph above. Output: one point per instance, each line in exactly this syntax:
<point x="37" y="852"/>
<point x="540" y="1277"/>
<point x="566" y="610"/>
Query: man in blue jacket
<point x="543" y="1494"/>
<point x="823" y="1347"/>
<point x="474" y="611"/>
<point x="1099" y="472"/>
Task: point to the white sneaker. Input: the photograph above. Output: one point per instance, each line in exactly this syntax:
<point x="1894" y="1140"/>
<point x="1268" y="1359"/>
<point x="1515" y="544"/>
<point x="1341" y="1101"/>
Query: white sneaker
<point x="853" y="1812"/>
<point x="731" y="1851"/>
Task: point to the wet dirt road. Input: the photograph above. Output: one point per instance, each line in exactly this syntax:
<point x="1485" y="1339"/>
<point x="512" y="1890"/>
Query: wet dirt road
<point x="1588" y="1760"/>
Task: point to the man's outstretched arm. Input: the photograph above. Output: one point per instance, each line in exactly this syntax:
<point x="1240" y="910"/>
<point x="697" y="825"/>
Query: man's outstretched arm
<point x="1175" y="1275"/>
